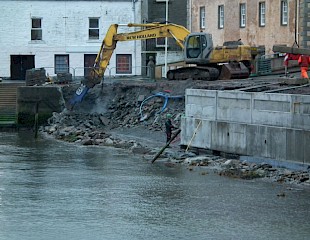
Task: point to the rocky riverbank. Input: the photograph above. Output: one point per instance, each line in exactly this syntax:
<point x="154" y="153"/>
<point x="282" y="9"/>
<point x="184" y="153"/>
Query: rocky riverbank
<point x="115" y="115"/>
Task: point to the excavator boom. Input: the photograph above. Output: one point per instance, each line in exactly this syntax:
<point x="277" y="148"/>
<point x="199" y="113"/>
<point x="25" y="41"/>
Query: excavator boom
<point x="152" y="30"/>
<point x="149" y="31"/>
<point x="212" y="62"/>
<point x="179" y="33"/>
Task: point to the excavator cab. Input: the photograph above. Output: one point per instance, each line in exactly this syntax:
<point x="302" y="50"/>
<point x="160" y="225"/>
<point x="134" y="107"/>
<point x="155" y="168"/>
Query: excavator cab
<point x="198" y="47"/>
<point x="229" y="61"/>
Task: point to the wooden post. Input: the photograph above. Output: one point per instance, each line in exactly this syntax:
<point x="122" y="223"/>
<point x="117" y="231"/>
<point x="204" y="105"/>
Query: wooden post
<point x="36" y="120"/>
<point x="163" y="149"/>
<point x="194" y="134"/>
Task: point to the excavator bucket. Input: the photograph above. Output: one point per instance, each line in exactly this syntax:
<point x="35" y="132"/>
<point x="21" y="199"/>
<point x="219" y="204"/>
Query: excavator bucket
<point x="234" y="70"/>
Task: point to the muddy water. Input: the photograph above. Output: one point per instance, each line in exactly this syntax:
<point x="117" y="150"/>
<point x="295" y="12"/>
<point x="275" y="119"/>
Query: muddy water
<point x="54" y="190"/>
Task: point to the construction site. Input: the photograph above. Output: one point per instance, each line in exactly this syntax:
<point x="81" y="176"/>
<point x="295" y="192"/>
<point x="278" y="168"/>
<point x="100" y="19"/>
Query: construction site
<point x="261" y="118"/>
<point x="118" y="121"/>
<point x="226" y="99"/>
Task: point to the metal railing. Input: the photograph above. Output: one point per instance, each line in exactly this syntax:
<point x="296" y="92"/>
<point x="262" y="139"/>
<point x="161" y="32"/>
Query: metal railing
<point x="78" y="73"/>
<point x="136" y="71"/>
<point x="50" y="71"/>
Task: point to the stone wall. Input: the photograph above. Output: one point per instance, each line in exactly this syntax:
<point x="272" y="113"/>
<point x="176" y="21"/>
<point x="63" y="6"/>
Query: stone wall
<point x="304" y="23"/>
<point x="41" y="100"/>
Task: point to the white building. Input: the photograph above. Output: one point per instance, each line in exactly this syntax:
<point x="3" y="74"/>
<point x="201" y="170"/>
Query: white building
<point x="65" y="34"/>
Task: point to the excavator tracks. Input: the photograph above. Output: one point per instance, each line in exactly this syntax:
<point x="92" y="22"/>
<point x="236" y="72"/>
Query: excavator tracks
<point x="195" y="73"/>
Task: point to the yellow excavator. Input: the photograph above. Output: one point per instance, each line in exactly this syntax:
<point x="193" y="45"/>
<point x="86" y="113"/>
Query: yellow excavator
<point x="206" y="61"/>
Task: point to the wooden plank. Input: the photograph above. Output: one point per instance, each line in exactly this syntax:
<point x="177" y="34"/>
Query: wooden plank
<point x="163" y="149"/>
<point x="292" y="50"/>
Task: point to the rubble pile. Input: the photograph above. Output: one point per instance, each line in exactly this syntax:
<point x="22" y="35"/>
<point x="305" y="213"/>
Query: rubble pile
<point x="87" y="129"/>
<point x="121" y="107"/>
<point x="117" y="107"/>
<point x="128" y="112"/>
<point x="246" y="170"/>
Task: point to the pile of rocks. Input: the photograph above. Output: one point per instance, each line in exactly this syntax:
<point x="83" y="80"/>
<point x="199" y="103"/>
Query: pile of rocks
<point x="91" y="122"/>
<point x="245" y="170"/>
<point x="130" y="112"/>
<point x="122" y="105"/>
<point x="86" y="129"/>
<point x="116" y="106"/>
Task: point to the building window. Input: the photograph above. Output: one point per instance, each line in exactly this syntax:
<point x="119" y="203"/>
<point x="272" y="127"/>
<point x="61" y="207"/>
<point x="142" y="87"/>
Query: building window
<point x="262" y="14"/>
<point x="242" y="15"/>
<point x="61" y="64"/>
<point x="221" y="16"/>
<point x="36" y="29"/>
<point x="202" y="18"/>
<point x="161" y="42"/>
<point x="284" y="12"/>
<point x="93" y="31"/>
<point x="123" y="63"/>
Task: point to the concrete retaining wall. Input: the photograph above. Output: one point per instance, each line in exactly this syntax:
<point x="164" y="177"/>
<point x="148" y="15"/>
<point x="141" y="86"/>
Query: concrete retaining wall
<point x="43" y="99"/>
<point x="275" y="126"/>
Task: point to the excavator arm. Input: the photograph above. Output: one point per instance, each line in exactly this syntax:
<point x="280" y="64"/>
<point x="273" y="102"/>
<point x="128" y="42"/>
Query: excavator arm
<point x="149" y="31"/>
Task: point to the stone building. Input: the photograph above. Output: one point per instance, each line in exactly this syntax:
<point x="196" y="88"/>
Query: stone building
<point x="65" y="36"/>
<point x="258" y="23"/>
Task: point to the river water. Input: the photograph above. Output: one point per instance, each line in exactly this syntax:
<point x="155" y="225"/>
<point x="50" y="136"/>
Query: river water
<point x="55" y="190"/>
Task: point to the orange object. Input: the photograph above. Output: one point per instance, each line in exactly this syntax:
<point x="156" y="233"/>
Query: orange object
<point x="304" y="62"/>
<point x="304" y="72"/>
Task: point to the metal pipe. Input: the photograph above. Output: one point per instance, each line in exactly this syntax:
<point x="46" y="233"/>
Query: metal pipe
<point x="296" y="40"/>
<point x="287" y="88"/>
<point x="166" y="40"/>
<point x="190" y="15"/>
<point x="135" y="43"/>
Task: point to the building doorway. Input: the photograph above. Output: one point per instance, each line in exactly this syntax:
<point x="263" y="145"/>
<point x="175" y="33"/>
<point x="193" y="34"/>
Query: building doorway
<point x="19" y="65"/>
<point x="89" y="61"/>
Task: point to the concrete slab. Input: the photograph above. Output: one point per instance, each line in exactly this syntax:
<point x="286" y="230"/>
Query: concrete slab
<point x="228" y="137"/>
<point x="295" y="145"/>
<point x="256" y="136"/>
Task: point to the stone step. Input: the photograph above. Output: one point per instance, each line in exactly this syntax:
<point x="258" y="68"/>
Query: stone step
<point x="8" y="95"/>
